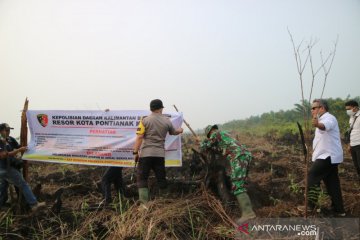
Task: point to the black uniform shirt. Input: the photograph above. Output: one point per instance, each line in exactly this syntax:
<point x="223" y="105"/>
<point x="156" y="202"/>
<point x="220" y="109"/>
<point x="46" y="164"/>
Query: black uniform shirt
<point x="3" y="161"/>
<point x="13" y="143"/>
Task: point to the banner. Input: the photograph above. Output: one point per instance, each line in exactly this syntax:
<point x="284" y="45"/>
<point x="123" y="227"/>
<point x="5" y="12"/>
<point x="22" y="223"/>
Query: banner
<point x="92" y="137"/>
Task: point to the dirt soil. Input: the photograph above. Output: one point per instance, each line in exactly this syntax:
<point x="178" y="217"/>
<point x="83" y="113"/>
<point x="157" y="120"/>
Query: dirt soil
<point x="75" y="209"/>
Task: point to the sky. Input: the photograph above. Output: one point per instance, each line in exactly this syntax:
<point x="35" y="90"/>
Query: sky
<point x="216" y="60"/>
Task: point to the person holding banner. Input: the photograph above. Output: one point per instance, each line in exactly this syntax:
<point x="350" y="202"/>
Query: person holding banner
<point x="149" y="148"/>
<point x="15" y="161"/>
<point x="112" y="175"/>
<point x="8" y="174"/>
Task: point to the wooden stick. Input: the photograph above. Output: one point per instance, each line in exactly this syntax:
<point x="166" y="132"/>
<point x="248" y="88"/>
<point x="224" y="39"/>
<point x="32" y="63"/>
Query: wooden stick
<point x="305" y="151"/>
<point x="187" y="124"/>
<point x="23" y="137"/>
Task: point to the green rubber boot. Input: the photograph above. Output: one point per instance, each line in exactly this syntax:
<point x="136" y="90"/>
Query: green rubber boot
<point x="143" y="195"/>
<point x="246" y="208"/>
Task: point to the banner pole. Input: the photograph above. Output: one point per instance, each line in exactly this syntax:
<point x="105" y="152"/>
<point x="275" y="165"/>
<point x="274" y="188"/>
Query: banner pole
<point x="187" y="124"/>
<point x="23" y="137"/>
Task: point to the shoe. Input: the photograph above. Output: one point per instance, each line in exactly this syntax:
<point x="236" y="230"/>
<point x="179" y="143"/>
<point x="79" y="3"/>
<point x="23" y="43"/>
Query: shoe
<point x="37" y="206"/>
<point x="309" y="210"/>
<point x="340" y="214"/>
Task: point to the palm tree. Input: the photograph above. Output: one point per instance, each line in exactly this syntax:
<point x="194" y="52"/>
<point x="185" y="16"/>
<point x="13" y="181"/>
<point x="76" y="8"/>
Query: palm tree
<point x="299" y="108"/>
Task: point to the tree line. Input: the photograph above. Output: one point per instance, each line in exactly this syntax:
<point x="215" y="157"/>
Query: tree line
<point x="283" y="122"/>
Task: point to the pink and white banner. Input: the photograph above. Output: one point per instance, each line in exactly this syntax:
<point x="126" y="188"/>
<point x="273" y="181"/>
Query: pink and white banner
<point x="92" y="137"/>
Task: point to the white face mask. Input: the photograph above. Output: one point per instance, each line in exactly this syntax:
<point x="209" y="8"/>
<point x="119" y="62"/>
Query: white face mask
<point x="350" y="112"/>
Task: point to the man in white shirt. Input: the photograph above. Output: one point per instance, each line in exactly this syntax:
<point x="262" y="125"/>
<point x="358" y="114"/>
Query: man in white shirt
<point x="352" y="109"/>
<point x="327" y="154"/>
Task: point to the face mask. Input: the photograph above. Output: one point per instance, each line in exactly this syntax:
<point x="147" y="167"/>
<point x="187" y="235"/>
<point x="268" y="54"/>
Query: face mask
<point x="350" y="112"/>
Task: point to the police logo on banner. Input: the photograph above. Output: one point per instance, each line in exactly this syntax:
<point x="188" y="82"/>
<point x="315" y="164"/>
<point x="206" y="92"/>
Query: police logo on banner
<point x="43" y="119"/>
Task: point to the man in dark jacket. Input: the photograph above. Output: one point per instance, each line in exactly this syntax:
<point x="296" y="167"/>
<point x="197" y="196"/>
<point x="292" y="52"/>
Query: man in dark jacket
<point x="9" y="174"/>
<point x="15" y="161"/>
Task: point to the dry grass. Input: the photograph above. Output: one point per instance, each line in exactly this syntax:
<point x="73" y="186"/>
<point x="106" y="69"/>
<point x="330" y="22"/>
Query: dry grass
<point x="191" y="212"/>
<point x="197" y="216"/>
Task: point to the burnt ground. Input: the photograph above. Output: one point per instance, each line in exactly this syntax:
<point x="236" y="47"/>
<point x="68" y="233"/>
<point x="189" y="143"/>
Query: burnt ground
<point x="75" y="211"/>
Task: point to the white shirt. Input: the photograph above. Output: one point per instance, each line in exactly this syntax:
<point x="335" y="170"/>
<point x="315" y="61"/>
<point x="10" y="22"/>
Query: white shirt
<point x="355" y="132"/>
<point x="327" y="142"/>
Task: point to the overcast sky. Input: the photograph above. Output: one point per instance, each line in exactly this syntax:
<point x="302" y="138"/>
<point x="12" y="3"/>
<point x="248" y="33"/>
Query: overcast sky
<point x="216" y="60"/>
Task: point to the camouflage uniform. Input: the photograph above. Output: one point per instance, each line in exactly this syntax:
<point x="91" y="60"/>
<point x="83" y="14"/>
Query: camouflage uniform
<point x="237" y="155"/>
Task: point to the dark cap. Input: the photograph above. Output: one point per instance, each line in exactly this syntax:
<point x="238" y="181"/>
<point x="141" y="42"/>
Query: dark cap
<point x="156" y="104"/>
<point x="5" y="126"/>
<point x="209" y="128"/>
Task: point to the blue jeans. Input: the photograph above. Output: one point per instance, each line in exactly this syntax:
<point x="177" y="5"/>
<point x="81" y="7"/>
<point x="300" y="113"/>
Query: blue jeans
<point x="13" y="176"/>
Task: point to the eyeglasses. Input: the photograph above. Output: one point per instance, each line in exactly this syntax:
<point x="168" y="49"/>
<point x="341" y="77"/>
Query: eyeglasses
<point x="313" y="108"/>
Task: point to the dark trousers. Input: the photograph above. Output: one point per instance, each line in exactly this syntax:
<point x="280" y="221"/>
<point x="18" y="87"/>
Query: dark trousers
<point x="355" y="154"/>
<point x="157" y="164"/>
<point x="322" y="169"/>
<point x="222" y="185"/>
<point x="112" y="175"/>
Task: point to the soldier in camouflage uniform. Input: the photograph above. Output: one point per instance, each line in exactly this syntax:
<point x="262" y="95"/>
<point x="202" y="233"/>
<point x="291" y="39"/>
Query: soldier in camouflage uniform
<point x="238" y="158"/>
